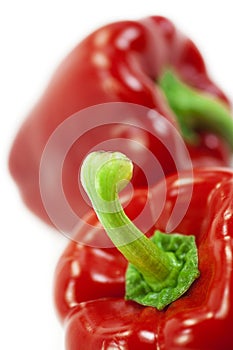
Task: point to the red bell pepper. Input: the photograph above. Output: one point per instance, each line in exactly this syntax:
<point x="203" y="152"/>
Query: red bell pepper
<point x="148" y="63"/>
<point x="89" y="291"/>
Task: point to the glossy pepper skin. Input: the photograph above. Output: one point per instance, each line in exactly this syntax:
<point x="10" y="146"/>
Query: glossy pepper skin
<point x="200" y="319"/>
<point x="120" y="62"/>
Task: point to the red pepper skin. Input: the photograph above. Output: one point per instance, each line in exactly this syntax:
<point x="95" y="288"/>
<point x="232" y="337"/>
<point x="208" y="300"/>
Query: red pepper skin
<point x="113" y="324"/>
<point x="202" y="318"/>
<point x="120" y="62"/>
<point x="210" y="151"/>
<point x="77" y="280"/>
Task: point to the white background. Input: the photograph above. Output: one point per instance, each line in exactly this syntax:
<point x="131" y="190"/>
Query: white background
<point x="35" y="36"/>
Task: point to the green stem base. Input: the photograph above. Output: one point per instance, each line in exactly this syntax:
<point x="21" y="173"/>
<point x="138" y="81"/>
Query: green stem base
<point x="159" y="295"/>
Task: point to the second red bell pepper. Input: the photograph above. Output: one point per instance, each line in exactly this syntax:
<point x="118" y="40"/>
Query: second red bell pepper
<point x="200" y="319"/>
<point x="148" y="63"/>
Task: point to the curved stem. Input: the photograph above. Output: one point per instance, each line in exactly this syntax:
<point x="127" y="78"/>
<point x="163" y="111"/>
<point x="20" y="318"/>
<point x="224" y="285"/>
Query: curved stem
<point x="165" y="265"/>
<point x="103" y="175"/>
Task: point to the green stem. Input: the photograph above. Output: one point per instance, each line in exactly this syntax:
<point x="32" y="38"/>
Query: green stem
<point x="103" y="175"/>
<point x="196" y="110"/>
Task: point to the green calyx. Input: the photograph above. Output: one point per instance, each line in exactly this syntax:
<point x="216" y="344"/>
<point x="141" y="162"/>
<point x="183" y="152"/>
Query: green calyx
<point x="183" y="250"/>
<point x="196" y="110"/>
<point x="160" y="269"/>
